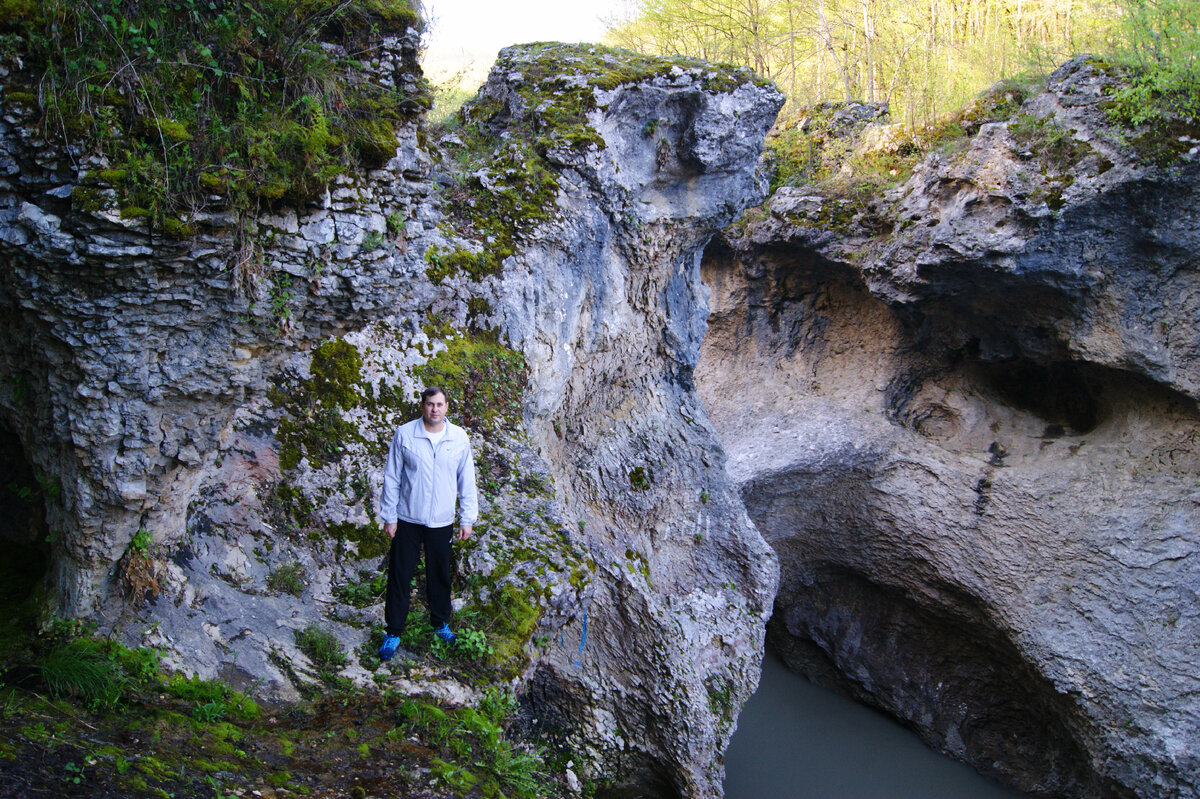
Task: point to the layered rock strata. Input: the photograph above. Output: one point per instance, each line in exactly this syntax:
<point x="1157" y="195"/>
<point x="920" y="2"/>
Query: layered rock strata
<point x="964" y="416"/>
<point x="212" y="426"/>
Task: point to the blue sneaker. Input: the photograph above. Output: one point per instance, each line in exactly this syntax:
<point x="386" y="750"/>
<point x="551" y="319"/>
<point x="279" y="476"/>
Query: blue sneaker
<point x="390" y="644"/>
<point x="445" y="634"/>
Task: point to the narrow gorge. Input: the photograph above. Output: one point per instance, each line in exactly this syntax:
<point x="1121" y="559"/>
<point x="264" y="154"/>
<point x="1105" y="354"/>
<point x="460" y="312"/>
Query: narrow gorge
<point x="964" y="416"/>
<point x="938" y="445"/>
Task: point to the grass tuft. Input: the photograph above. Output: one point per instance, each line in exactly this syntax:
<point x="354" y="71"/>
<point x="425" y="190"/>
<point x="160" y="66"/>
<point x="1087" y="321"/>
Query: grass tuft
<point x="83" y="669"/>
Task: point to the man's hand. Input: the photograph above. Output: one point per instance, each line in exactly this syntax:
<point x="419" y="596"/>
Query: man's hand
<point x="464" y="532"/>
<point x="390" y="529"/>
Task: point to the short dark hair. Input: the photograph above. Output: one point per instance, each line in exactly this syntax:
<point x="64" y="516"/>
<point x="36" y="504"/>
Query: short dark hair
<point x="433" y="391"/>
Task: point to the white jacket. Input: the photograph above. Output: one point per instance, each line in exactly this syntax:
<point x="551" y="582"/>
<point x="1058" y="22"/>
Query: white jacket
<point x="421" y="482"/>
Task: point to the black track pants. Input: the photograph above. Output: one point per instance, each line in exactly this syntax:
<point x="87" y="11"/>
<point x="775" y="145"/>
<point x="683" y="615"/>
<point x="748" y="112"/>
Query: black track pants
<point x="402" y="562"/>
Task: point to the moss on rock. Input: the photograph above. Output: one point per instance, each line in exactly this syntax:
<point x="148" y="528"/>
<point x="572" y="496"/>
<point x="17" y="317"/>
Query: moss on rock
<point x="370" y="540"/>
<point x="484" y="380"/>
<point x="314" y="427"/>
<point x="512" y="147"/>
<point x="245" y="89"/>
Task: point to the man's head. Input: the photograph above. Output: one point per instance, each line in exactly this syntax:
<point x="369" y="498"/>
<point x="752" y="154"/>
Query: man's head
<point x="433" y="407"/>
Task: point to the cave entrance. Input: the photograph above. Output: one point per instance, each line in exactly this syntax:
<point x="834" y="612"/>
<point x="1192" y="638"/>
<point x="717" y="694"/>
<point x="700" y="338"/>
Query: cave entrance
<point x="1065" y="395"/>
<point x="24" y="545"/>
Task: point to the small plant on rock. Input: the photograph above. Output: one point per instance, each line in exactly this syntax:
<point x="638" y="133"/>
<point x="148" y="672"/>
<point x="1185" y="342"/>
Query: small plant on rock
<point x="323" y="649"/>
<point x="367" y="591"/>
<point x="287" y="579"/>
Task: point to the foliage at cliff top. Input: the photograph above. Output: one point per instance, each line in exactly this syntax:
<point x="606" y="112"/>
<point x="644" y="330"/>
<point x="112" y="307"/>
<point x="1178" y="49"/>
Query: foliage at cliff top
<point x="922" y="57"/>
<point x="514" y="142"/>
<point x="1152" y="98"/>
<point x="925" y="59"/>
<point x="1160" y="48"/>
<point x="196" y="104"/>
<point x="821" y="145"/>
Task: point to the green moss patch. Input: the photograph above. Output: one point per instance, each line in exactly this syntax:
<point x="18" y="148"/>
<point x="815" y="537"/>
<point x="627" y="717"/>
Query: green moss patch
<point x="314" y="427"/>
<point x="508" y="618"/>
<point x="192" y="98"/>
<point x="370" y="540"/>
<point x="484" y="380"/>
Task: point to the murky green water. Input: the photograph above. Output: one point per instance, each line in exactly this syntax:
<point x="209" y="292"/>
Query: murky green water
<point x="796" y="740"/>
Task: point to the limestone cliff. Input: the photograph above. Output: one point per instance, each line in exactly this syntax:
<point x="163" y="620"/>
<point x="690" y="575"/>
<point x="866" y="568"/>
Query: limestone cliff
<point x="207" y="419"/>
<point x="964" y="415"/>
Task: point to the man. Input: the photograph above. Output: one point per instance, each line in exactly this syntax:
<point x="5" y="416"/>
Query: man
<point x="429" y="465"/>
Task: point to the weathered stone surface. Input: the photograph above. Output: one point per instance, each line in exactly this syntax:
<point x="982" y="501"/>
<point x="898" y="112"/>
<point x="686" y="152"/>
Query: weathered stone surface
<point x="169" y="387"/>
<point x="972" y="441"/>
<point x="609" y="310"/>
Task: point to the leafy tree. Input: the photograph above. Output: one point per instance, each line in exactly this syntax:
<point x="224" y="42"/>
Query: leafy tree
<point x="1160" y="40"/>
<point x="923" y="57"/>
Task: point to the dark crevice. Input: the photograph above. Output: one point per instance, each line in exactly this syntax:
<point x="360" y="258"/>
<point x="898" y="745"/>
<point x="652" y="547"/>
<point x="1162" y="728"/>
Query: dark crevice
<point x="1066" y="395"/>
<point x="23" y="540"/>
<point x="22" y="496"/>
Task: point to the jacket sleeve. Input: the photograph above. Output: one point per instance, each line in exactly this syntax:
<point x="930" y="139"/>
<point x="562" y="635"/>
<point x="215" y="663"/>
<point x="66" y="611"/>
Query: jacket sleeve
<point x="468" y="500"/>
<point x="393" y="473"/>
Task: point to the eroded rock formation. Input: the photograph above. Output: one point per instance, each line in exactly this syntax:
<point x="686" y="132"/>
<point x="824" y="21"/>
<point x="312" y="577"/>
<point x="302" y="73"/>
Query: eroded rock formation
<point x="964" y="415"/>
<point x="212" y="424"/>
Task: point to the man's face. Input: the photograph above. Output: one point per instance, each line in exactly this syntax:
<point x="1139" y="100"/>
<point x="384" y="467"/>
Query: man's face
<point x="433" y="410"/>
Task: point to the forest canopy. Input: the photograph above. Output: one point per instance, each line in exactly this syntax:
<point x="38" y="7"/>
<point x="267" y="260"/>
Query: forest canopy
<point x="922" y="57"/>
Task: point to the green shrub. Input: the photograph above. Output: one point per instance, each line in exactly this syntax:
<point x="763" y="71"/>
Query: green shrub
<point x="141" y="542"/>
<point x="195" y="689"/>
<point x="1160" y="42"/>
<point x="141" y="665"/>
<point x="209" y="712"/>
<point x="211" y="700"/>
<point x="498" y="704"/>
<point x="469" y="645"/>
<point x="479" y="754"/>
<point x="520" y="772"/>
<point x="287" y="579"/>
<point x="367" y="591"/>
<point x="638" y="479"/>
<point x="472" y="645"/>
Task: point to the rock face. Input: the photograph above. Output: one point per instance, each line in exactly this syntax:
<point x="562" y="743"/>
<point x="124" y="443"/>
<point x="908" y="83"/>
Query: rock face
<point x="965" y="418"/>
<point x="610" y="311"/>
<point x="133" y="352"/>
<point x="209" y="438"/>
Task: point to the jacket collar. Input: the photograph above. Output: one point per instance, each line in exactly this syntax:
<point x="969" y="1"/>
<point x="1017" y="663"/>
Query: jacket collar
<point x="421" y="432"/>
